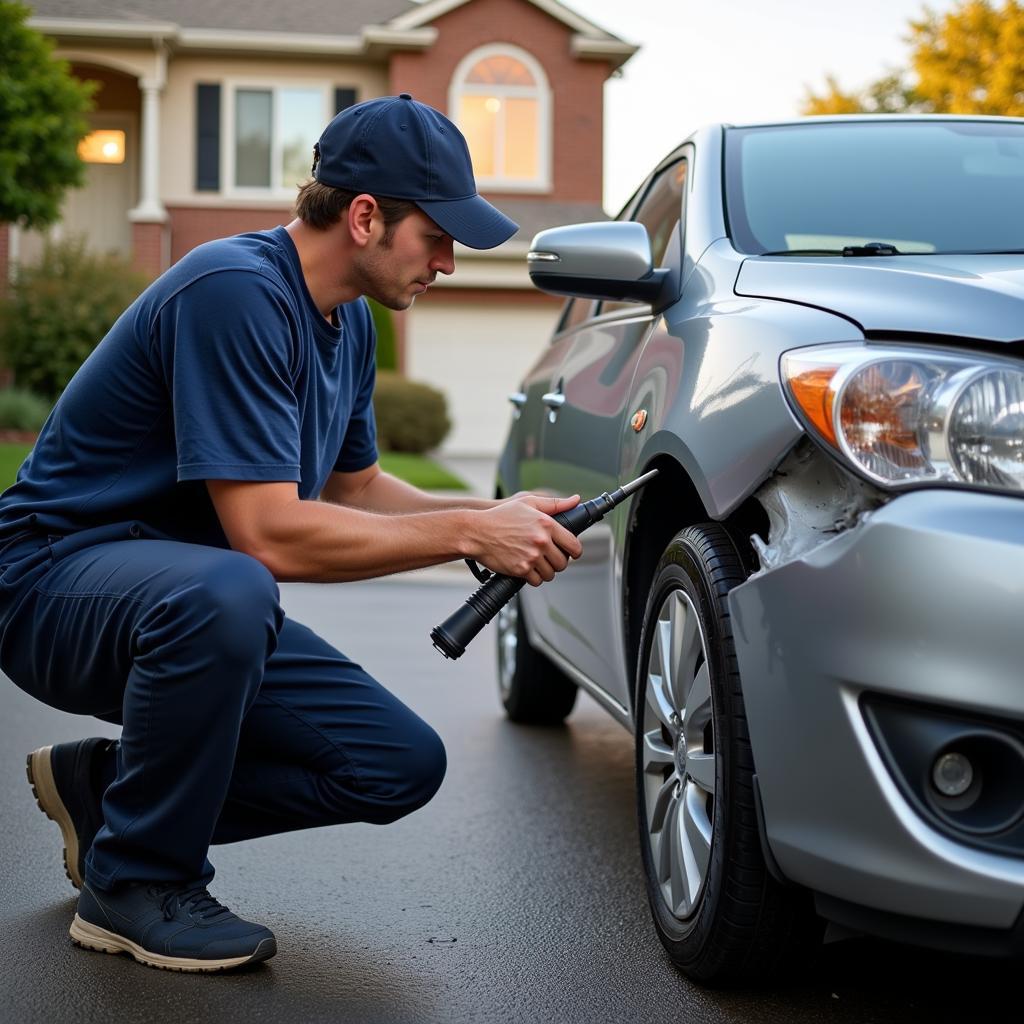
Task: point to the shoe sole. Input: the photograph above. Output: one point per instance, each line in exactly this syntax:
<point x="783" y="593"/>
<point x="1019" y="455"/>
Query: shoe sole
<point x="90" y="936"/>
<point x="39" y="768"/>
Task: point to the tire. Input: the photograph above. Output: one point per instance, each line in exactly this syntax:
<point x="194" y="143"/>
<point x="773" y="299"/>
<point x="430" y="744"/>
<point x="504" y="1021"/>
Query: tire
<point x="533" y="691"/>
<point x="720" y="915"/>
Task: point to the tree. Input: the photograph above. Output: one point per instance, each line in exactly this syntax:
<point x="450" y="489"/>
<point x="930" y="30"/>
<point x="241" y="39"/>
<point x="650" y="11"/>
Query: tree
<point x="42" y="118"/>
<point x="892" y="94"/>
<point x="966" y="61"/>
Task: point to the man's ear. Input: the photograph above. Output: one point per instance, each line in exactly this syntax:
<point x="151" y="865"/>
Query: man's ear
<point x="360" y="218"/>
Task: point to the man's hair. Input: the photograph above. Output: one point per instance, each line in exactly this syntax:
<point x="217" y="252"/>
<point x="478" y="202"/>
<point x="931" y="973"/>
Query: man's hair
<point x="321" y="206"/>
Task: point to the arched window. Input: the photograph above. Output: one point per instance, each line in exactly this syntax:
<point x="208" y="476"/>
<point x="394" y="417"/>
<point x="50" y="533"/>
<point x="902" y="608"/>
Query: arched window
<point x="500" y="99"/>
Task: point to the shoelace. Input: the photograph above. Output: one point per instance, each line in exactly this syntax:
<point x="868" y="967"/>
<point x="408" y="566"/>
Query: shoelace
<point x="202" y="904"/>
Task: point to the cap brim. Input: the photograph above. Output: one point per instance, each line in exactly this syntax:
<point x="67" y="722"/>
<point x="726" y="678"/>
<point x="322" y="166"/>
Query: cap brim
<point x="473" y="221"/>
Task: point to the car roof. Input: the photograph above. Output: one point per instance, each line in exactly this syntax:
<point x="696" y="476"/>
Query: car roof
<point x="846" y="118"/>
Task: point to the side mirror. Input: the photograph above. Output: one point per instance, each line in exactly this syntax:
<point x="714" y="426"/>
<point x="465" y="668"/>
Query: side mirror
<point x="606" y="260"/>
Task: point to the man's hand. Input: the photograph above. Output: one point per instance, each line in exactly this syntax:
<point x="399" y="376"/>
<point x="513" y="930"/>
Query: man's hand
<point x="519" y="537"/>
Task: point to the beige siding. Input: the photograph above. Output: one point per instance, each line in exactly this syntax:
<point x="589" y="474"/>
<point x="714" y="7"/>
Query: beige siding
<point x="142" y="63"/>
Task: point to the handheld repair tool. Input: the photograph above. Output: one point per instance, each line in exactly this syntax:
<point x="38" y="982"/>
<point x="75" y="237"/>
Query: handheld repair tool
<point x="454" y="634"/>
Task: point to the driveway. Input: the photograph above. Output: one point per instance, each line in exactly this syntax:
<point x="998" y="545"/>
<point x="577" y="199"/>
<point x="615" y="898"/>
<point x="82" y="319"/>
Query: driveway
<point x="516" y="895"/>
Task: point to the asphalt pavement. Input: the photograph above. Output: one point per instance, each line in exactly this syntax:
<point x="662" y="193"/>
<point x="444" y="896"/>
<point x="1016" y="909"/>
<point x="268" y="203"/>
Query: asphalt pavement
<point x="515" y="895"/>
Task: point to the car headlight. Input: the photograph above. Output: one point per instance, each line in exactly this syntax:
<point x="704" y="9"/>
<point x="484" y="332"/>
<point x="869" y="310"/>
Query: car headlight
<point x="904" y="416"/>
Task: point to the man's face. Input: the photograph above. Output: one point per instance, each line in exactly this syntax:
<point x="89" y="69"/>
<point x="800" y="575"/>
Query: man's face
<point x="395" y="273"/>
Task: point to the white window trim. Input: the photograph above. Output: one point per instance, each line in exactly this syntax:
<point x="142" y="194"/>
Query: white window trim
<point x="277" y="188"/>
<point x="542" y="91"/>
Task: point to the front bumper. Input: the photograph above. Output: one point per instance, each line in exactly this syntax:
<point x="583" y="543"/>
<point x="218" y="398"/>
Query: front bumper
<point x="921" y="602"/>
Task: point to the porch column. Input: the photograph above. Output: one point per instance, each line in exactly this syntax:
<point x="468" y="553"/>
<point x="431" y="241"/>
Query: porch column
<point x="149" y="217"/>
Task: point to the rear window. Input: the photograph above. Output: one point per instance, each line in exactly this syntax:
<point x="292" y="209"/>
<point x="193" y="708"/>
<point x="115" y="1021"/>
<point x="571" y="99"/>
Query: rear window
<point x="921" y="187"/>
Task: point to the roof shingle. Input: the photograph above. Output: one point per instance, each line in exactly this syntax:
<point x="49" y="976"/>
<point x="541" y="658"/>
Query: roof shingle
<point x="325" y="17"/>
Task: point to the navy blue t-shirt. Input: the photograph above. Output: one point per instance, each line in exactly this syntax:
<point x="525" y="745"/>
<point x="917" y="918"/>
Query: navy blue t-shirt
<point x="222" y="369"/>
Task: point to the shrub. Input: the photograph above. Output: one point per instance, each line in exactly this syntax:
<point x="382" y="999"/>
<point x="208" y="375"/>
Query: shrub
<point x="411" y="416"/>
<point x="22" y="410"/>
<point x="387" y="347"/>
<point x="59" y="310"/>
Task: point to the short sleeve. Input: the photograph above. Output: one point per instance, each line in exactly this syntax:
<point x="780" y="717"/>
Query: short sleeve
<point x="359" y="446"/>
<point x="226" y="343"/>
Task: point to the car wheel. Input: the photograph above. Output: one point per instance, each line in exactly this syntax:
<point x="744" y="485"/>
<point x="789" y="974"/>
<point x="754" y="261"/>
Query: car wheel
<point x="718" y="912"/>
<point x="532" y="689"/>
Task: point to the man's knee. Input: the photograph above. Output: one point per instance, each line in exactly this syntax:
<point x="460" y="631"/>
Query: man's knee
<point x="412" y="774"/>
<point x="422" y="772"/>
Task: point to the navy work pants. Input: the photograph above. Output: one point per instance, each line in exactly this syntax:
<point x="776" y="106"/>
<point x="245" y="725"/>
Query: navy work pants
<point x="237" y="721"/>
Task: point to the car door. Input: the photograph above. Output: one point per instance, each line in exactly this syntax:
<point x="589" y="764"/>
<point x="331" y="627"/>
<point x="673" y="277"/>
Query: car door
<point x="587" y="415"/>
<point x="535" y="402"/>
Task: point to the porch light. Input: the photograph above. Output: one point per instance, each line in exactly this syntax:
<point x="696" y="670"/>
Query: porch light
<point x="102" y="147"/>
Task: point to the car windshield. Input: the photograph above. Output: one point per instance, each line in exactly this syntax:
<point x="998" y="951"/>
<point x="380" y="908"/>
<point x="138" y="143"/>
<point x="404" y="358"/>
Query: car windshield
<point x="914" y="186"/>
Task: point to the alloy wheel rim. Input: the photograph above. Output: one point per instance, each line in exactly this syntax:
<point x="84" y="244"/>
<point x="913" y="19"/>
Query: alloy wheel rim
<point x="508" y="623"/>
<point x="678" y="759"/>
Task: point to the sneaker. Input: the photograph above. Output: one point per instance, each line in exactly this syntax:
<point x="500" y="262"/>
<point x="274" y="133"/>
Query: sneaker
<point x="178" y="927"/>
<point x="67" y="782"/>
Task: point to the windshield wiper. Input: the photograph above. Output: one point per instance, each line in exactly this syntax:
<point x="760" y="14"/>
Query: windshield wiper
<point x="869" y="249"/>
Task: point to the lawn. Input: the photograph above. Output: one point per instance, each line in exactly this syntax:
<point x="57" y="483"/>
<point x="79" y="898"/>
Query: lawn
<point x="416" y="469"/>
<point x="11" y="457"/>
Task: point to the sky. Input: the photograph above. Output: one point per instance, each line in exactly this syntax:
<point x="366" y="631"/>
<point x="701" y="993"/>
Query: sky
<point x="732" y="60"/>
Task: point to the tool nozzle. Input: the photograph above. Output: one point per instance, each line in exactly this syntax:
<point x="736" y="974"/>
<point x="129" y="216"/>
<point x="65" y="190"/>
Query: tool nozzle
<point x="635" y="485"/>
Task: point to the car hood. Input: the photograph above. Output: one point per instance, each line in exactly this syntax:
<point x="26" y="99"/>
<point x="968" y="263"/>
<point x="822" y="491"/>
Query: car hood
<point x="962" y="296"/>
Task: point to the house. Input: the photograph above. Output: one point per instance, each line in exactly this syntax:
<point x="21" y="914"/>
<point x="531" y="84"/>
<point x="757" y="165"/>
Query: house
<point x="207" y="114"/>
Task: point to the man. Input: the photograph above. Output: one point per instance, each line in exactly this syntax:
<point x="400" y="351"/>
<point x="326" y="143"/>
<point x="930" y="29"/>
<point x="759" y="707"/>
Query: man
<point x="176" y="480"/>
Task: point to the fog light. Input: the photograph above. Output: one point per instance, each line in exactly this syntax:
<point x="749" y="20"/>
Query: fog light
<point x="952" y="774"/>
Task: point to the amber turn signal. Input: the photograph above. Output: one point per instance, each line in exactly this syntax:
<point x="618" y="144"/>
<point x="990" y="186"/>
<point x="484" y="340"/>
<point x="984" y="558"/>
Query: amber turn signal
<point x="811" y="387"/>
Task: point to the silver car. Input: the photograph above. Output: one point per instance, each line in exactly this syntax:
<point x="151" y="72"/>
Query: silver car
<point x="812" y="620"/>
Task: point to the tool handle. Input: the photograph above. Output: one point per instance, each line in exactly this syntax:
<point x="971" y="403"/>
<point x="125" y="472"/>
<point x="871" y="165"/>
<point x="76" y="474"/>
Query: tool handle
<point x="452" y="636"/>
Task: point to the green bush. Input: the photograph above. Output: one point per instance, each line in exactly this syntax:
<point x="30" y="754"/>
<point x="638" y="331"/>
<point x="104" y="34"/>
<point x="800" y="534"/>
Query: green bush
<point x="411" y="417"/>
<point x="387" y="346"/>
<point x="22" y="410"/>
<point x="59" y="310"/>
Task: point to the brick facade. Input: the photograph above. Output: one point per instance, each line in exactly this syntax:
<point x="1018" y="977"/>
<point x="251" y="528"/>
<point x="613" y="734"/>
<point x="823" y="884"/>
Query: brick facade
<point x="192" y="225"/>
<point x="577" y="86"/>
<point x="148" y="247"/>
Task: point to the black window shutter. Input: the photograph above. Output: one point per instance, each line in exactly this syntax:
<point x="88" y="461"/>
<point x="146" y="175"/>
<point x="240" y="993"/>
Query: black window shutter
<point x="343" y="98"/>
<point x="207" y="138"/>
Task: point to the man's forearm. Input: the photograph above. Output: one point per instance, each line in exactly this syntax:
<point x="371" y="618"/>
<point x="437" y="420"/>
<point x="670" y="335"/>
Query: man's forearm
<point x="323" y="543"/>
<point x="386" y="493"/>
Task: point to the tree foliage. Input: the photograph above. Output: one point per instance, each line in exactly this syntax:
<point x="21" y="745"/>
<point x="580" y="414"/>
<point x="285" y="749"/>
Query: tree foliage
<point x="42" y="117"/>
<point x="965" y="61"/>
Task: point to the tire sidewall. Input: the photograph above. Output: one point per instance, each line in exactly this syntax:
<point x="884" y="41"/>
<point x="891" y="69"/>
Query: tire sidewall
<point x="681" y="568"/>
<point x="538" y="693"/>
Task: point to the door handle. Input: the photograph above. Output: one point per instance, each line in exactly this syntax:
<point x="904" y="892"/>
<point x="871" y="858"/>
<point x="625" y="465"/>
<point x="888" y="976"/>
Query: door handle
<point x="554" y="400"/>
<point x="518" y="400"/>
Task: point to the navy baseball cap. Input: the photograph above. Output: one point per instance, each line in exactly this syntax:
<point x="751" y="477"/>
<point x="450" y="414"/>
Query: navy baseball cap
<point x="397" y="147"/>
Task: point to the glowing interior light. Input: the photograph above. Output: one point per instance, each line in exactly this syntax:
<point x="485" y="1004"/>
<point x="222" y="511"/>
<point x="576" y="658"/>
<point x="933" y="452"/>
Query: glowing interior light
<point x="492" y="104"/>
<point x="102" y="147"/>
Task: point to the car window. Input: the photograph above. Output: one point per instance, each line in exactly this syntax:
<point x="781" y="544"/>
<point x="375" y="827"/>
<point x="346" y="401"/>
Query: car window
<point x="916" y="186"/>
<point x="659" y="211"/>
<point x="575" y="312"/>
